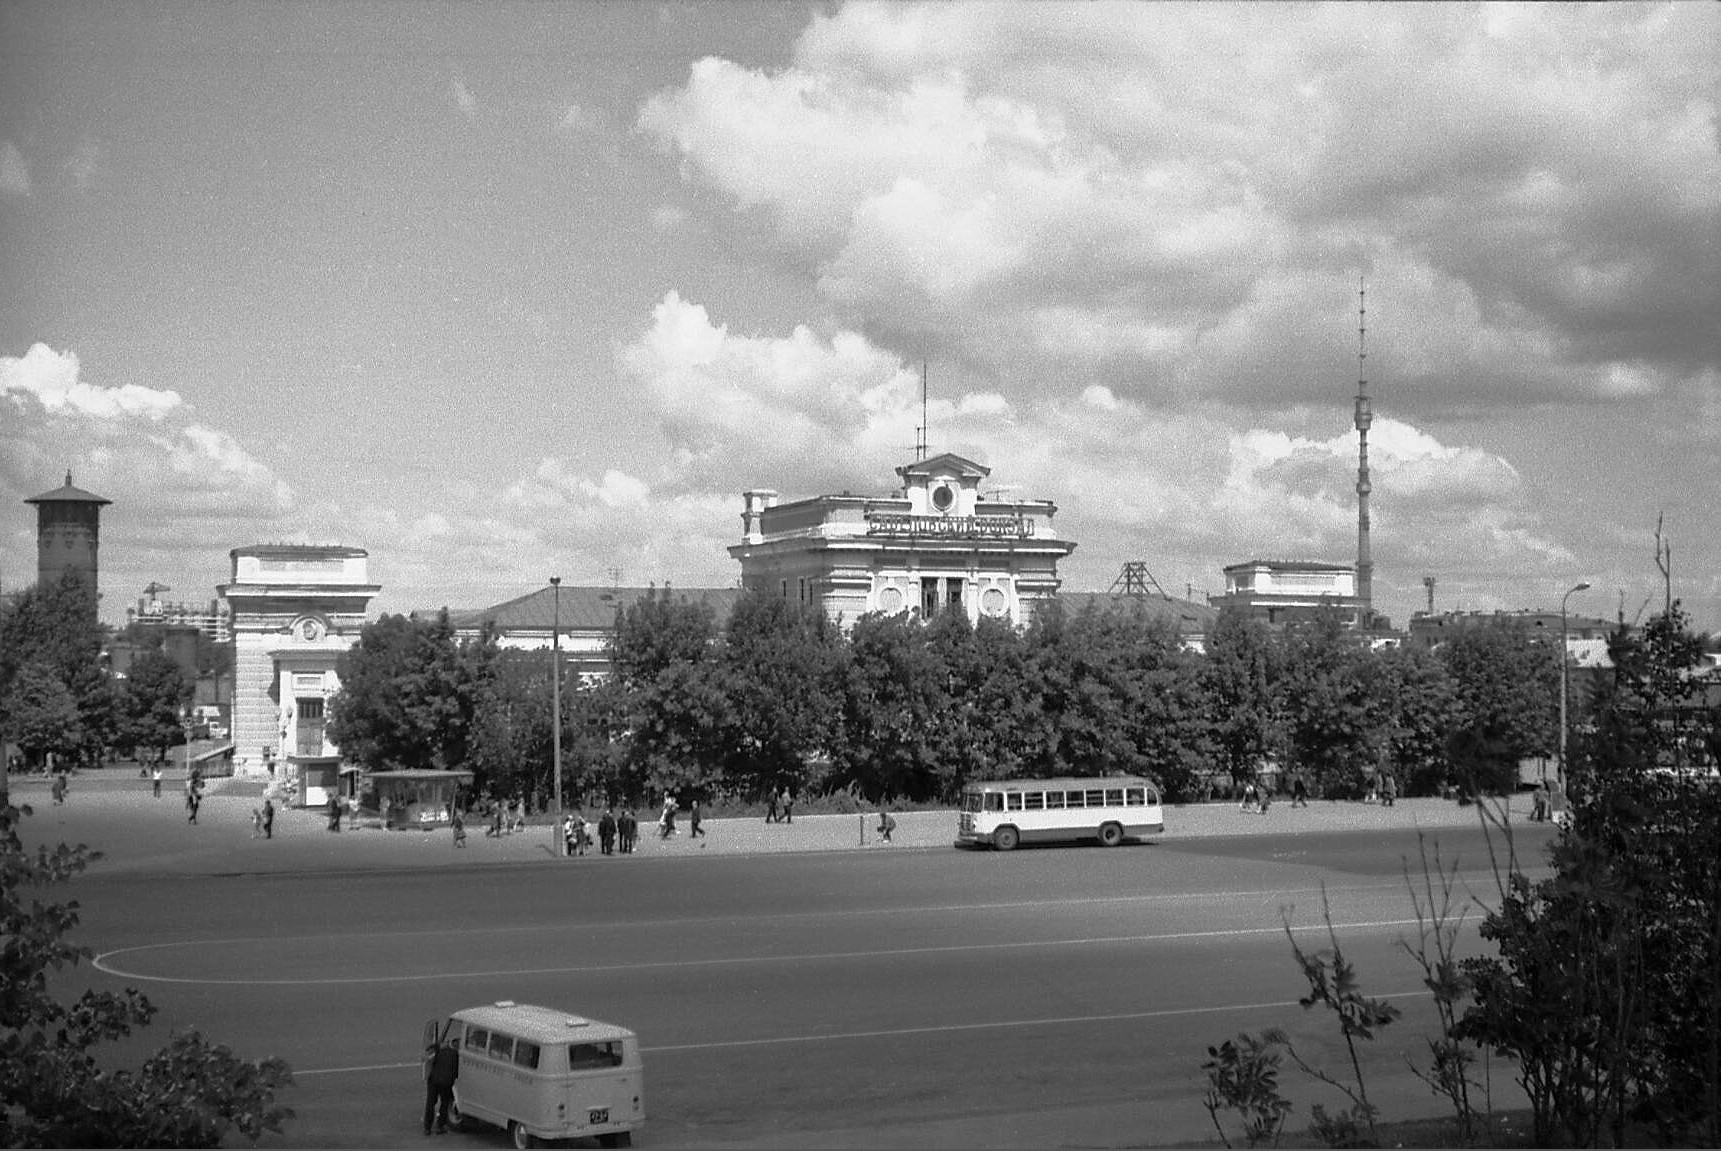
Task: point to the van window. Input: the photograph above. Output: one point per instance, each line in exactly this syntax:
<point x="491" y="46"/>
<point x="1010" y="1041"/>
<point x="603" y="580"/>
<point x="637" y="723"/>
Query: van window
<point x="1114" y="797"/>
<point x="501" y="1046"/>
<point x="1096" y="797"/>
<point x="585" y="1056"/>
<point x="1013" y="800"/>
<point x="1034" y="801"/>
<point x="1136" y="796"/>
<point x="994" y="801"/>
<point x="477" y="1039"/>
<point x="1054" y="800"/>
<point x="526" y="1055"/>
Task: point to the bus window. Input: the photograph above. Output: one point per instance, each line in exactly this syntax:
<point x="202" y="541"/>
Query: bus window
<point x="526" y="1055"/>
<point x="1013" y="800"/>
<point x="585" y="1056"/>
<point x="1135" y="797"/>
<point x="1097" y="797"/>
<point x="501" y="1046"/>
<point x="1034" y="801"/>
<point x="994" y="801"/>
<point x="1114" y="797"/>
<point x="477" y="1039"/>
<point x="1054" y="800"/>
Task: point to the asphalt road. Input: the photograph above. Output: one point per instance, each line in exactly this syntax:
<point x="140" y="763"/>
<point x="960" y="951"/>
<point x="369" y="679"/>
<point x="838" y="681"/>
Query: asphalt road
<point x="915" y="996"/>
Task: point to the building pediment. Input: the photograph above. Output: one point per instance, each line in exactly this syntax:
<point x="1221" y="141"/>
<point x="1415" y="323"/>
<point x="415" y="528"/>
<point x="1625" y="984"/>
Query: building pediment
<point x="947" y="464"/>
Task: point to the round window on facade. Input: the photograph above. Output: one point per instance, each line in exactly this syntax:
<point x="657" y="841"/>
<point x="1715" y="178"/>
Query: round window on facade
<point x="890" y="599"/>
<point x="943" y="497"/>
<point x="993" y="601"/>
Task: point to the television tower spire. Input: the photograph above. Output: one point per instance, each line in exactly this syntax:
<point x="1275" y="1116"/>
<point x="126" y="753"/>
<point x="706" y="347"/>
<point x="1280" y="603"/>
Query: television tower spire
<point x="1364" y="417"/>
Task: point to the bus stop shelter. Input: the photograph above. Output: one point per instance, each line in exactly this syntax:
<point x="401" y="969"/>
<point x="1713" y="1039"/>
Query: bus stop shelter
<point x="419" y="798"/>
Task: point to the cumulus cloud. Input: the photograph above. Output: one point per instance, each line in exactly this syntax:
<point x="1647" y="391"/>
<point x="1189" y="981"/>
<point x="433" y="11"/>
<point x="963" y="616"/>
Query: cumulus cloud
<point x="1115" y="194"/>
<point x="51" y="379"/>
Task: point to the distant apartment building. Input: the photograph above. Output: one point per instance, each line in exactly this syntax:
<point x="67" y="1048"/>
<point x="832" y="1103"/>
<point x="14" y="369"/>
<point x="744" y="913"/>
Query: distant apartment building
<point x="1286" y="591"/>
<point x="209" y="618"/>
<point x="1584" y="634"/>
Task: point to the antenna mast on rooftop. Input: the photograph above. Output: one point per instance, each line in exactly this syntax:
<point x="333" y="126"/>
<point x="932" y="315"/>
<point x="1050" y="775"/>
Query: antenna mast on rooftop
<point x="920" y="432"/>
<point x="1364" y="417"/>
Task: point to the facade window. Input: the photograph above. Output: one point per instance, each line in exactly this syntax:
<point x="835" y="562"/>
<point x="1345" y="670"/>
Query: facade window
<point x="308" y="725"/>
<point x="953" y="593"/>
<point x="928" y="598"/>
<point x="802" y="587"/>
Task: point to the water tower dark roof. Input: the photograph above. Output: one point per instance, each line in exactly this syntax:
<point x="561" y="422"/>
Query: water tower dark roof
<point x="68" y="495"/>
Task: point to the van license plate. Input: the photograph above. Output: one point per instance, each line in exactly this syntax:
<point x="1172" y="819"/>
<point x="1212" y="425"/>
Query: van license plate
<point x="600" y="1115"/>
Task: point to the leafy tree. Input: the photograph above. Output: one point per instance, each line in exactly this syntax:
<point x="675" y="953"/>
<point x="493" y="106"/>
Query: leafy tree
<point x="42" y="715"/>
<point x="411" y="696"/>
<point x="782" y="662"/>
<point x="56" y="1091"/>
<point x="896" y="685"/>
<point x="152" y="704"/>
<point x="1606" y="988"/>
<point x="675" y="694"/>
<point x="52" y="629"/>
<point x="1239" y="679"/>
<point x="1414" y="706"/>
<point x="1506" y="683"/>
<point x="1325" y="697"/>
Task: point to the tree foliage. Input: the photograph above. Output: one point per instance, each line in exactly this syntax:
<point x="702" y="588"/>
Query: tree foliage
<point x="411" y="696"/>
<point x="151" y="705"/>
<point x="54" y="1091"/>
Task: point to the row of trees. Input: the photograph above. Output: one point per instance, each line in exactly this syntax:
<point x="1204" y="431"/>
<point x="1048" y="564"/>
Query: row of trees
<point x="1601" y="987"/>
<point x="57" y="701"/>
<point x="905" y="709"/>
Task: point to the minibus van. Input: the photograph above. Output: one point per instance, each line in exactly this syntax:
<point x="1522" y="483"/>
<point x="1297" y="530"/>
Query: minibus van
<point x="540" y="1073"/>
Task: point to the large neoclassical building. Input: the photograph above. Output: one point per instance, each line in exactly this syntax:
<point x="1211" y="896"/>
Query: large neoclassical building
<point x="937" y="542"/>
<point x="294" y="608"/>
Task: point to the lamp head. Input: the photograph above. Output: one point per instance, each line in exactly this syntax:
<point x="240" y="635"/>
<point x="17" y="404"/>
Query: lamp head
<point x="1582" y="586"/>
<point x="556" y="581"/>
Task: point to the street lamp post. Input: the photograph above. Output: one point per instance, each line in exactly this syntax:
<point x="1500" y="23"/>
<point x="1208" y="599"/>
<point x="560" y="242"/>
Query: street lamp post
<point x="1565" y="658"/>
<point x="556" y="708"/>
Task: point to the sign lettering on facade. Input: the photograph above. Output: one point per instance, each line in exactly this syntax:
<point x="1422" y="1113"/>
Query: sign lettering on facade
<point x="953" y="527"/>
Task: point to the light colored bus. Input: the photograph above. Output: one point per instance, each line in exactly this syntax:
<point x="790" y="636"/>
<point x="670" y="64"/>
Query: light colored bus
<point x="539" y="1073"/>
<point x="1109" y="809"/>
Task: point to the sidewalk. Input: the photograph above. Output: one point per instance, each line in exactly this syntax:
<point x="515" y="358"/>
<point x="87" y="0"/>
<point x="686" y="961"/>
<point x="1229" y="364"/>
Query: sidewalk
<point x="139" y="833"/>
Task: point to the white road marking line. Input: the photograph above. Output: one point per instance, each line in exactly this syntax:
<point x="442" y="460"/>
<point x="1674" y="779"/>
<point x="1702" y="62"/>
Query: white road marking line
<point x="1276" y="893"/>
<point x="101" y="962"/>
<point x="939" y="1029"/>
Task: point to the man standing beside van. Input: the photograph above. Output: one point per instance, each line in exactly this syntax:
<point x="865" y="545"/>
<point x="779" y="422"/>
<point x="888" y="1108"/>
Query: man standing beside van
<point x="439" y="1085"/>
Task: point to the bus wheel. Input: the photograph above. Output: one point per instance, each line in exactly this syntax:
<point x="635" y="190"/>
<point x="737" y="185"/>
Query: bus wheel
<point x="1110" y="835"/>
<point x="1006" y="838"/>
<point x="522" y="1137"/>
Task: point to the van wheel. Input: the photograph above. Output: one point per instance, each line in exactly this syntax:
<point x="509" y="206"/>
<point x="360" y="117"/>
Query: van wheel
<point x="1110" y="835"/>
<point x="1006" y="838"/>
<point x="522" y="1137"/>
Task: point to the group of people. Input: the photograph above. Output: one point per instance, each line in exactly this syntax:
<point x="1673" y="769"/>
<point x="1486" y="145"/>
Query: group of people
<point x="780" y="807"/>
<point x="263" y="819"/>
<point x="1382" y="789"/>
<point x="615" y="832"/>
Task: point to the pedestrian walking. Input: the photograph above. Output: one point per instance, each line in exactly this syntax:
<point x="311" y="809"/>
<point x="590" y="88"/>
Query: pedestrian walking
<point x="519" y="813"/>
<point x="886" y="825"/>
<point x="459" y="825"/>
<point x="256" y="822"/>
<point x="440" y="1074"/>
<point x="568" y="835"/>
<point x="1248" y="803"/>
<point x="268" y="818"/>
<point x="1539" y="803"/>
<point x="496" y="818"/>
<point x="666" y="822"/>
<point x="155" y="781"/>
<point x="788" y="802"/>
<point x="1299" y="791"/>
<point x="771" y="809"/>
<point x="334" y="813"/>
<point x="606" y="832"/>
<point x="59" y="788"/>
<point x="627" y="829"/>
<point x="1389" y="789"/>
<point x="693" y="829"/>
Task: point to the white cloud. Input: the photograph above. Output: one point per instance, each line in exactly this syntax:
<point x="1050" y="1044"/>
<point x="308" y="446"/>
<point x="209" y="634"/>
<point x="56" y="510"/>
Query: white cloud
<point x="51" y="379"/>
<point x="14" y="171"/>
<point x="1116" y="192"/>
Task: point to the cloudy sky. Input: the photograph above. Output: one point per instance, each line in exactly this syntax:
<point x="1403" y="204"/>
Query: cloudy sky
<point x="504" y="291"/>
